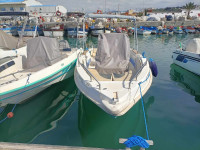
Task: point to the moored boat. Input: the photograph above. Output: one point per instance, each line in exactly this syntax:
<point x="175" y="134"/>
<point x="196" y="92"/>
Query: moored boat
<point x="47" y="62"/>
<point x="56" y="31"/>
<point x="110" y="75"/>
<point x="189" y="58"/>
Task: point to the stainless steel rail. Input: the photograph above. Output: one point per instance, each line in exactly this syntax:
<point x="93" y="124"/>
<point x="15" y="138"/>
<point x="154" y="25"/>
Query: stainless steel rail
<point x="88" y="72"/>
<point x="135" y="76"/>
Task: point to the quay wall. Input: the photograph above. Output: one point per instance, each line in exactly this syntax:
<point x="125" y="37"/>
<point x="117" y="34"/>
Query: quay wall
<point x="144" y="23"/>
<point x="156" y="23"/>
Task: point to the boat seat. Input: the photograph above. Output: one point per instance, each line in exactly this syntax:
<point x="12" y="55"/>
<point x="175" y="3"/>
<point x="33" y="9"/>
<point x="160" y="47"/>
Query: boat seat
<point x="126" y="77"/>
<point x="95" y="73"/>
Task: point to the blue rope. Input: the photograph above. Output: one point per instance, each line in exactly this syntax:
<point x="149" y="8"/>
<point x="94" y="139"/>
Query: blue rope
<point x="3" y="120"/>
<point x="6" y="116"/>
<point x="143" y="105"/>
<point x="136" y="141"/>
<point x="15" y="104"/>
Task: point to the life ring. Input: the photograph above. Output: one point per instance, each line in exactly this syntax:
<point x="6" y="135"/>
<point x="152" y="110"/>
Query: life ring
<point x="58" y="13"/>
<point x="153" y="67"/>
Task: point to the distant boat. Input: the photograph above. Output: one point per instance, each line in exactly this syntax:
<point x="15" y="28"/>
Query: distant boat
<point x="30" y="31"/>
<point x="97" y="29"/>
<point x="76" y="32"/>
<point x="189" y="58"/>
<point x="178" y="30"/>
<point x="191" y="30"/>
<point x="47" y="62"/>
<point x="55" y="31"/>
<point x="143" y="32"/>
<point x="11" y="30"/>
<point x="165" y="31"/>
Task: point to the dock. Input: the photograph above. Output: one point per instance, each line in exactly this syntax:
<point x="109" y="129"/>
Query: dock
<point x="22" y="146"/>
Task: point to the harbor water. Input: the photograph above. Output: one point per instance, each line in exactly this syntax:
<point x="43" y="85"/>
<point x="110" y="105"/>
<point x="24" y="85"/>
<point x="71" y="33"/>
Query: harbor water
<point x="61" y="115"/>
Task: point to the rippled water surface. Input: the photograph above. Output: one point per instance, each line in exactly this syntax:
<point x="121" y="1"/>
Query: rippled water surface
<point x="61" y="116"/>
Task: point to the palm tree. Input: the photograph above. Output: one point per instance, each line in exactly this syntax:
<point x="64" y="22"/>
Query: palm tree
<point x="189" y="6"/>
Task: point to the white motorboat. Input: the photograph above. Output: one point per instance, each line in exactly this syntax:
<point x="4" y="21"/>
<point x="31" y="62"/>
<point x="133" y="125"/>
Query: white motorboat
<point x="98" y="29"/>
<point x="47" y="62"/>
<point x="110" y="75"/>
<point x="143" y="32"/>
<point x="189" y="58"/>
<point x="56" y="31"/>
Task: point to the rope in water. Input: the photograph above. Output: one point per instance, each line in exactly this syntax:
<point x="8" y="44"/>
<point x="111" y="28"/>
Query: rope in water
<point x="137" y="140"/>
<point x="7" y="116"/>
<point x="145" y="121"/>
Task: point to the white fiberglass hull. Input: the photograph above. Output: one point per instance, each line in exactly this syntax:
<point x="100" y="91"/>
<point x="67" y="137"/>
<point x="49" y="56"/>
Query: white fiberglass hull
<point x="97" y="32"/>
<point x="28" y="33"/>
<point x="143" y="32"/>
<point x="34" y="82"/>
<point x="187" y="60"/>
<point x="53" y="33"/>
<point x="104" y="96"/>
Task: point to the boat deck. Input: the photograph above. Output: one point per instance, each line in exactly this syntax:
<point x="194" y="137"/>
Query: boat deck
<point x="127" y="76"/>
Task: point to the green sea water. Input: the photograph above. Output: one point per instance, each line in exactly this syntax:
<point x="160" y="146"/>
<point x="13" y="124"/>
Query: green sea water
<point x="60" y="115"/>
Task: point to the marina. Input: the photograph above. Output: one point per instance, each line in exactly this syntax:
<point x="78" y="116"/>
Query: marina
<point x="101" y="80"/>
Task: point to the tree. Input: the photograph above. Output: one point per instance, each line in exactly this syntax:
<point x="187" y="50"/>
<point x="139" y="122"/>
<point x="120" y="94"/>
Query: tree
<point x="189" y="6"/>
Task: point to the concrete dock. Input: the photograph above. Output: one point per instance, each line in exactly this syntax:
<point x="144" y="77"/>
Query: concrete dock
<point x="22" y="146"/>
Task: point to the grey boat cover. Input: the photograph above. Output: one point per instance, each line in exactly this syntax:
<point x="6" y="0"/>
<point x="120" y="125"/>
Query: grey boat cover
<point x="8" y="42"/>
<point x="193" y="46"/>
<point x="113" y="53"/>
<point x="43" y="52"/>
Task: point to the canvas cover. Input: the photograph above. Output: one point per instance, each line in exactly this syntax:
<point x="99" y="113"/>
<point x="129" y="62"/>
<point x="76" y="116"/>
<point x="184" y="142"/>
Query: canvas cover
<point x="113" y="53"/>
<point x="193" y="46"/>
<point x="43" y="52"/>
<point x="8" y="42"/>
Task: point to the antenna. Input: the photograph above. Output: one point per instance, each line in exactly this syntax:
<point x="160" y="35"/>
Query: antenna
<point x="105" y="6"/>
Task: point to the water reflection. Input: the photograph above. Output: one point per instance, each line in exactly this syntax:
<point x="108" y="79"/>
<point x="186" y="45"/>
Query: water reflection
<point x="99" y="129"/>
<point x="187" y="80"/>
<point x="39" y="114"/>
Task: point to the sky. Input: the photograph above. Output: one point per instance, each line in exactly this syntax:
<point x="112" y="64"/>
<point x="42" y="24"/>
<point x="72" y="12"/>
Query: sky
<point x="113" y="5"/>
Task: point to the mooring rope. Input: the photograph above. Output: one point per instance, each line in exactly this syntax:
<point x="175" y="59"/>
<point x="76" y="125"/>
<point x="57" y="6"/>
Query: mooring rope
<point x="7" y="115"/>
<point x="143" y="106"/>
<point x="27" y="82"/>
<point x="137" y="140"/>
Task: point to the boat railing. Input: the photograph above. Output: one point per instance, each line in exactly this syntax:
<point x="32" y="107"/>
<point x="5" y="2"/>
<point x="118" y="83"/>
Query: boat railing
<point x="137" y="73"/>
<point x="88" y="72"/>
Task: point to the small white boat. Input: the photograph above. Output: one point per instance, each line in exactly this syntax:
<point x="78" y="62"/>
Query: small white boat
<point x="29" y="31"/>
<point x="189" y="58"/>
<point x="47" y="62"/>
<point x="178" y="30"/>
<point x="98" y="29"/>
<point x="57" y="31"/>
<point x="143" y="32"/>
<point x="53" y="33"/>
<point x="110" y="75"/>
